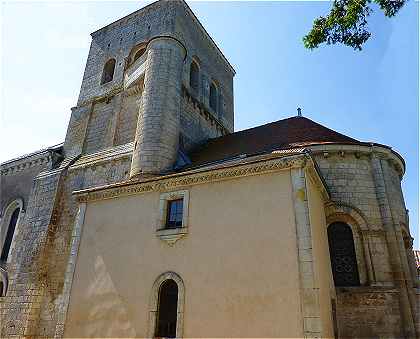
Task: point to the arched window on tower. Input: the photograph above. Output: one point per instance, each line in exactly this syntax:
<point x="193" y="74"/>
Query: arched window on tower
<point x="194" y="75"/>
<point x="343" y="255"/>
<point x="108" y="72"/>
<point x="213" y="96"/>
<point x="9" y="235"/>
<point x="166" y="321"/>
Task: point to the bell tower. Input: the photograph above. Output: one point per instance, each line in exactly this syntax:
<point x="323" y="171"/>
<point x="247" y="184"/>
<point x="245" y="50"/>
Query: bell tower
<point x="155" y="84"/>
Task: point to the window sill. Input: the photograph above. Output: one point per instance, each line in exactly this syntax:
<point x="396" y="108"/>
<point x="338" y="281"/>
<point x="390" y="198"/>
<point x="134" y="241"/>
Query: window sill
<point x="172" y="235"/>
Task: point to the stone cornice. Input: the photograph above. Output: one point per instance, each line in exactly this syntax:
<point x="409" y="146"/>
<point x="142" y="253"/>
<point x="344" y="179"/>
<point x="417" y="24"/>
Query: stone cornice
<point x="24" y="164"/>
<point x="36" y="159"/>
<point x="370" y="149"/>
<point x="199" y="107"/>
<point x="107" y="96"/>
<point x="113" y="153"/>
<point x="267" y="164"/>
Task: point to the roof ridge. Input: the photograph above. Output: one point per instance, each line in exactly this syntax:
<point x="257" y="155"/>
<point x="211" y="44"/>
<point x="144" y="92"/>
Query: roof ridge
<point x="291" y="132"/>
<point x="279" y="121"/>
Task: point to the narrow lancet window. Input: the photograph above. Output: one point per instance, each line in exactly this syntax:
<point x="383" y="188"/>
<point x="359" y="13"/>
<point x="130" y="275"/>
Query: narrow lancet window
<point x="343" y="255"/>
<point x="194" y="76"/>
<point x="213" y="97"/>
<point x="108" y="72"/>
<point x="167" y="310"/>
<point x="9" y="235"/>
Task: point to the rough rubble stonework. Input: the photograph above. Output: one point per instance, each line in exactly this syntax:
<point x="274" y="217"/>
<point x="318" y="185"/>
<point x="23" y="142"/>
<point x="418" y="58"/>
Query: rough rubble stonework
<point x="149" y="105"/>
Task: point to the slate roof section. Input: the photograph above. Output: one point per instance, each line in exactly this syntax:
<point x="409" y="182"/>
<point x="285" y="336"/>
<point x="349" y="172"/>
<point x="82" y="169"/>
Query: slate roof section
<point x="284" y="134"/>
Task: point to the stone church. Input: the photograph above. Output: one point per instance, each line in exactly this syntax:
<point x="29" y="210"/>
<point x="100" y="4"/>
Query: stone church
<point x="155" y="219"/>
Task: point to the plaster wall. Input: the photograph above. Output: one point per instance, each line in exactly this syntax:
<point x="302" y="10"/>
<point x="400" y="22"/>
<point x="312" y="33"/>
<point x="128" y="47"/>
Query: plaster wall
<point x="238" y="263"/>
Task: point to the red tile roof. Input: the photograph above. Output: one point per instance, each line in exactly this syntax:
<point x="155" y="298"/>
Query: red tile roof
<point x="283" y="134"/>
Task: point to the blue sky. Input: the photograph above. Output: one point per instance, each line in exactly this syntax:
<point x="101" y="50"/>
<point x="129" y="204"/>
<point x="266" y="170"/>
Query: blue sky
<point x="371" y="95"/>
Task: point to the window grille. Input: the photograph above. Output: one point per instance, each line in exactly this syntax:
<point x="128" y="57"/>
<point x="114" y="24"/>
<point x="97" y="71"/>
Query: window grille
<point x="343" y="255"/>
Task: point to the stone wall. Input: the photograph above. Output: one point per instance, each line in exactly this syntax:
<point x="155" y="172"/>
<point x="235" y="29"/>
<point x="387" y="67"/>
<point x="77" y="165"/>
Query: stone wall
<point x="365" y="187"/>
<point x="34" y="301"/>
<point x="112" y="121"/>
<point x="99" y="133"/>
<point x="127" y="119"/>
<point x="351" y="184"/>
<point x="16" y="176"/>
<point x="197" y="124"/>
<point x="158" y="126"/>
<point x="368" y="313"/>
<point x="213" y="66"/>
<point x="19" y="309"/>
<point x="116" y="41"/>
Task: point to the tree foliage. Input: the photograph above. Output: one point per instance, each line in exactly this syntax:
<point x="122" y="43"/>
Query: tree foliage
<point x="347" y="23"/>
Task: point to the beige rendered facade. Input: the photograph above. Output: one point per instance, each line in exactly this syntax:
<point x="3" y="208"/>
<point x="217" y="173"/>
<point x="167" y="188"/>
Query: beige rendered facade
<point x="239" y="261"/>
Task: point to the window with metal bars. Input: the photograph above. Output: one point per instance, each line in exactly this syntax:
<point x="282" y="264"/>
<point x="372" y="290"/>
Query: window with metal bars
<point x="174" y="213"/>
<point x="343" y="255"/>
